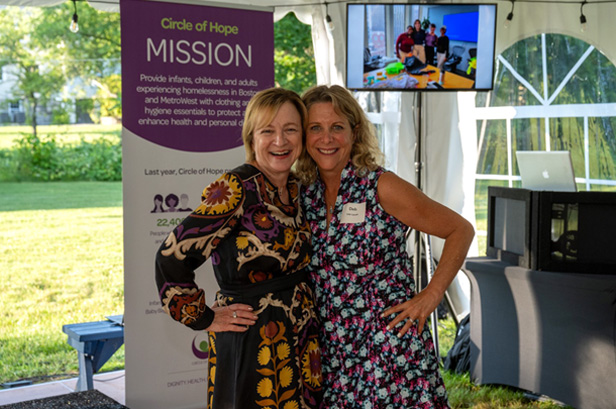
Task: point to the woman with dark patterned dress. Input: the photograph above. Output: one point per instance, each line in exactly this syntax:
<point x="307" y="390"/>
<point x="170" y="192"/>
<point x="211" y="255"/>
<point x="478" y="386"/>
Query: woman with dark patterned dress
<point x="264" y="347"/>
<point x="359" y="214"/>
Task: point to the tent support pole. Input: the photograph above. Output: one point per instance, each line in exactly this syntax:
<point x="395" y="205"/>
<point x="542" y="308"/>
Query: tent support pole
<point x="418" y="234"/>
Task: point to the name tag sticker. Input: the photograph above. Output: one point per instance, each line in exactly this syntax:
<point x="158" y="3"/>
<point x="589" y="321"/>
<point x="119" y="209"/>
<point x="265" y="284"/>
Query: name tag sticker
<point x="353" y="213"/>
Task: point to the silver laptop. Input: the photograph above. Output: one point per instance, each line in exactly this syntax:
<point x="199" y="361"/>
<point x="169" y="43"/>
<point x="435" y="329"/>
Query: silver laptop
<point x="541" y="170"/>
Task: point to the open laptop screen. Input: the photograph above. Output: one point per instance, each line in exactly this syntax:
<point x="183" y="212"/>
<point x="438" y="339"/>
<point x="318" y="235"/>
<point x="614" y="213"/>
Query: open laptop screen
<point x="550" y="171"/>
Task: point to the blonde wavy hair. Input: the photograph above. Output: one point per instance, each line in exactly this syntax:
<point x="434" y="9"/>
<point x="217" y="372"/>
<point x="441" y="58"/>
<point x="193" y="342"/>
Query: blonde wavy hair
<point x="365" y="153"/>
<point x="261" y="110"/>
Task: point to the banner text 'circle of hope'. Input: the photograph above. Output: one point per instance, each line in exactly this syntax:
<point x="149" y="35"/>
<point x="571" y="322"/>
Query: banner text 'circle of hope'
<point x="187" y="79"/>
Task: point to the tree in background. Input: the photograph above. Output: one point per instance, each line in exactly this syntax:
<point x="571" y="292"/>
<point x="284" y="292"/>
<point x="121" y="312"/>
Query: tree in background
<point x="91" y="55"/>
<point x="45" y="56"/>
<point x="293" y="54"/>
<point x="38" y="74"/>
<point x="94" y="51"/>
<point x="110" y="96"/>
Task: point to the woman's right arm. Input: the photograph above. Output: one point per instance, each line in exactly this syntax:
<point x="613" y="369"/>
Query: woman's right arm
<point x="187" y="247"/>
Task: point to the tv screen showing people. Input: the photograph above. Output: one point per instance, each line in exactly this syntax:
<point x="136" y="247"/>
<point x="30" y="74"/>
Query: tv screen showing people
<point x="420" y="47"/>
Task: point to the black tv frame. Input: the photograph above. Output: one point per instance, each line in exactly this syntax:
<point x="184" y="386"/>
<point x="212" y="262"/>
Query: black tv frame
<point x="352" y="55"/>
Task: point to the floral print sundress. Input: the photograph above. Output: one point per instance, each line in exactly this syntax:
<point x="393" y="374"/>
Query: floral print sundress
<point x="360" y="268"/>
<point x="260" y="249"/>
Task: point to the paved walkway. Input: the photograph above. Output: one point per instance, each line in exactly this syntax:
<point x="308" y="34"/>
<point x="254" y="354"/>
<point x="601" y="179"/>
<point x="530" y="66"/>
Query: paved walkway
<point x="109" y="383"/>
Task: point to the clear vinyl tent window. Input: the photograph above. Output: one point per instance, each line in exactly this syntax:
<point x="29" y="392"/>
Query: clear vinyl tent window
<point x="551" y="92"/>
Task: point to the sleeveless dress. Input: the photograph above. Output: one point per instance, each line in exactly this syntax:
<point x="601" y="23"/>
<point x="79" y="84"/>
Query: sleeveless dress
<point x="260" y="249"/>
<point x="359" y="269"/>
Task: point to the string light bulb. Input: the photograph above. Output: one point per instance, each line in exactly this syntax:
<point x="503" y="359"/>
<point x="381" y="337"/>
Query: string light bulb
<point x="510" y="15"/>
<point x="328" y="19"/>
<point x="74" y="26"/>
<point x="330" y="23"/>
<point x="582" y="18"/>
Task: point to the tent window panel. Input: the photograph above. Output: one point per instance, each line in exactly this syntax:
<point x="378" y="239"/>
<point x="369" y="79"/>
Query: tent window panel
<point x="602" y="188"/>
<point x="567" y="134"/>
<point x="483" y="99"/>
<point x="492" y="158"/>
<point x="509" y="91"/>
<point x="562" y="54"/>
<point x="591" y="83"/>
<point x="525" y="57"/>
<point x="602" y="149"/>
<point x="527" y="134"/>
<point x="579" y="77"/>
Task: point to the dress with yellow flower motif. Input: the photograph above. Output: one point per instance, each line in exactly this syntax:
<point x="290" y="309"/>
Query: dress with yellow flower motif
<point x="259" y="249"/>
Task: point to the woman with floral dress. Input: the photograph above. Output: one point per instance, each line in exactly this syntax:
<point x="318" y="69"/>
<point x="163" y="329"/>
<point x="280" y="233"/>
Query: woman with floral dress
<point x="359" y="214"/>
<point x="263" y="330"/>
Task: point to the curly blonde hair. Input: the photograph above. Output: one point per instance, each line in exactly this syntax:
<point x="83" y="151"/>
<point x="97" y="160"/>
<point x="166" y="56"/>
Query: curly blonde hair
<point x="365" y="153"/>
<point x="261" y="110"/>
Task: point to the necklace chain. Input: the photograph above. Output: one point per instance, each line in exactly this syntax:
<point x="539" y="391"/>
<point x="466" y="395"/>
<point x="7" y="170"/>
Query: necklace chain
<point x="330" y="207"/>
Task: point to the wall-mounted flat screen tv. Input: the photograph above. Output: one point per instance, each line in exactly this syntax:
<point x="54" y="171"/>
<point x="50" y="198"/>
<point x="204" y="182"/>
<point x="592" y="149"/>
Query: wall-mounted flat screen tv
<point x="420" y="47"/>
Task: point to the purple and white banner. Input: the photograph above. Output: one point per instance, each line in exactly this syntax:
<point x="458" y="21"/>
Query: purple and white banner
<point x="188" y="72"/>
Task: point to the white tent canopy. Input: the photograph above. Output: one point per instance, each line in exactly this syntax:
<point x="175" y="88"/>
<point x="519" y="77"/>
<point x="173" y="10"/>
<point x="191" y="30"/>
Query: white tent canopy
<point x="531" y="17"/>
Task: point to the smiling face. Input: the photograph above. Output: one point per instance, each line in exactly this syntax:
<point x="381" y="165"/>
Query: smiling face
<point x="277" y="145"/>
<point x="329" y="138"/>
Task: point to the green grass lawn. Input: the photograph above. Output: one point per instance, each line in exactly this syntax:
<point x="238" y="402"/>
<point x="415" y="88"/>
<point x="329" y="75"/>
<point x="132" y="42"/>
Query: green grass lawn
<point x="61" y="262"/>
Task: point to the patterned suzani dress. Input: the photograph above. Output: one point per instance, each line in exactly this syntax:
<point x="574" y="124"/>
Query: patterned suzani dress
<point x="259" y="249"/>
<point x="360" y="268"/>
